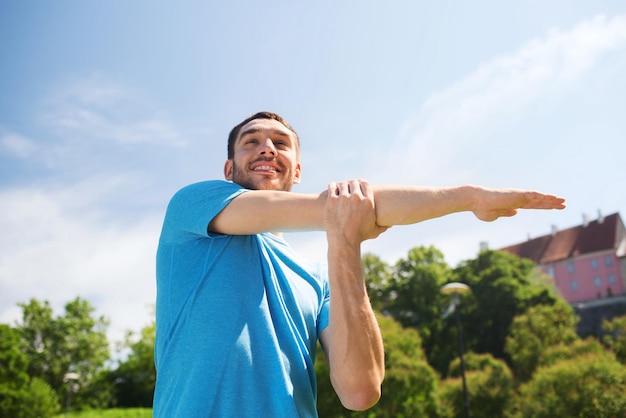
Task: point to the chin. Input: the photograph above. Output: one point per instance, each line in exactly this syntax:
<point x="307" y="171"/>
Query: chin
<point x="264" y="185"/>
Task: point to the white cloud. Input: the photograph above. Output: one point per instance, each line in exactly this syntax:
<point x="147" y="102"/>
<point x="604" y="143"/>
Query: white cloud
<point x="90" y="227"/>
<point x="17" y="145"/>
<point x="501" y="90"/>
<point x="99" y="108"/>
<point x="57" y="244"/>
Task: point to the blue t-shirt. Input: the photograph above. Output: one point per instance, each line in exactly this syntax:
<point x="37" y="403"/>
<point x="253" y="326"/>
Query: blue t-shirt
<point x="238" y="316"/>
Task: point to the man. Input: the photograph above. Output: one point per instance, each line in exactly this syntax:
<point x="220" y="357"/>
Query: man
<point x="239" y="312"/>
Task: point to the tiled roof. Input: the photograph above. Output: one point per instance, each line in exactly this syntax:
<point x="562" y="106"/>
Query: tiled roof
<point x="571" y="242"/>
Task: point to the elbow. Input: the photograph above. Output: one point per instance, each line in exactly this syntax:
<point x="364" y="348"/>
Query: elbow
<point x="361" y="400"/>
<point x="358" y="395"/>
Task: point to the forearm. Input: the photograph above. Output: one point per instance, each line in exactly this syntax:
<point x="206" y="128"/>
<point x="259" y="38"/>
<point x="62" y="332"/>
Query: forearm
<point x="403" y="205"/>
<point x="356" y="354"/>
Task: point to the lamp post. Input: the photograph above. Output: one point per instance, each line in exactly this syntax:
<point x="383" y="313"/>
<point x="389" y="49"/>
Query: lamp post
<point x="453" y="290"/>
<point x="72" y="382"/>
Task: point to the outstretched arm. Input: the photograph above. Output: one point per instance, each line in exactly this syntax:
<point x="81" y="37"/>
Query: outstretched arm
<point x="270" y="211"/>
<point x="352" y="341"/>
<point x="403" y="205"/>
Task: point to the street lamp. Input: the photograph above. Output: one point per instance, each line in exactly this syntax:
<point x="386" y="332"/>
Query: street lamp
<point x="453" y="290"/>
<point x="72" y="385"/>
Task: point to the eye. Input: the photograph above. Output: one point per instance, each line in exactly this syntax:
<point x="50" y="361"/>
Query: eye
<point x="281" y="144"/>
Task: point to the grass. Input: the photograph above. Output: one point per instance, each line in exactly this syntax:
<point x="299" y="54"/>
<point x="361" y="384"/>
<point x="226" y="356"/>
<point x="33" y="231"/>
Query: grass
<point x="111" y="413"/>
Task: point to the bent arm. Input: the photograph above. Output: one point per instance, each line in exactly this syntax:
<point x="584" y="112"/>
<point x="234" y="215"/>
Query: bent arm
<point x="352" y="341"/>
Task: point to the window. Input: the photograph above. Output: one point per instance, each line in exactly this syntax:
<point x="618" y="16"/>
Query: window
<point x="573" y="285"/>
<point x="612" y="278"/>
<point x="597" y="281"/>
<point x="594" y="263"/>
<point x="608" y="260"/>
<point x="550" y="271"/>
<point x="570" y="267"/>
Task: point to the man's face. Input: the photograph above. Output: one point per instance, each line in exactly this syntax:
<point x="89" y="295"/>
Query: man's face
<point x="266" y="157"/>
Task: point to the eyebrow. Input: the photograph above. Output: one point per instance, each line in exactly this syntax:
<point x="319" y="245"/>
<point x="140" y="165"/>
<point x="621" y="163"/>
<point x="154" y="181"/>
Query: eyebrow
<point x="274" y="132"/>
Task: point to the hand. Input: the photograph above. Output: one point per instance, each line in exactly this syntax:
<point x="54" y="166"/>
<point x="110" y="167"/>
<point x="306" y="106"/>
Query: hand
<point x="350" y="212"/>
<point x="492" y="204"/>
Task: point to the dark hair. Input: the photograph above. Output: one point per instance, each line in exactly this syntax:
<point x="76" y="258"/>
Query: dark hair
<point x="234" y="133"/>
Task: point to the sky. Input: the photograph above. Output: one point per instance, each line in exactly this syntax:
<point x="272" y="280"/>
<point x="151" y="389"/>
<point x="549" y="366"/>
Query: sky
<point x="108" y="107"/>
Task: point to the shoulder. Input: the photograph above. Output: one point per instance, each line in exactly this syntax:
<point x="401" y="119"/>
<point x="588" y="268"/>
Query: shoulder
<point x="209" y="185"/>
<point x="219" y="189"/>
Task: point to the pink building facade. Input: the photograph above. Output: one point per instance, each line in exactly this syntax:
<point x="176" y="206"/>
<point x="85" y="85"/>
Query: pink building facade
<point x="587" y="262"/>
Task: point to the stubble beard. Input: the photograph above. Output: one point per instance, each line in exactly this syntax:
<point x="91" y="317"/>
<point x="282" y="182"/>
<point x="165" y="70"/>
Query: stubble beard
<point x="245" y="179"/>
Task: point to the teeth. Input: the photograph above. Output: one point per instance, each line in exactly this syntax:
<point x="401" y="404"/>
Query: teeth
<point x="264" y="168"/>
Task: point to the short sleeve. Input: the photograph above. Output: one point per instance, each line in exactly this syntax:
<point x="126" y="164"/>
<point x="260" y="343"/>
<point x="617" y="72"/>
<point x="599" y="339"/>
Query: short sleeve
<point x="193" y="207"/>
<point x="324" y="312"/>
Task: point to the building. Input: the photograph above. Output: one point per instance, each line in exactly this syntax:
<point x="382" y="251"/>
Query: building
<point x="587" y="262"/>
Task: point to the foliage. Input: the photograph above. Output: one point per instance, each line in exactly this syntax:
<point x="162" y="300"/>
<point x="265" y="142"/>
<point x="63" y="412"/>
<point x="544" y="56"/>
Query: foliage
<point x="111" y="413"/>
<point x="74" y="342"/>
<point x="378" y="276"/>
<point x="134" y="378"/>
<point x="590" y="385"/>
<point x="410" y="293"/>
<point x="489" y="384"/>
<point x="509" y="315"/>
<point x="20" y="396"/>
<point x="503" y="287"/>
<point x="415" y="297"/>
<point x="410" y="386"/>
<point x="13" y="363"/>
<point x="533" y="332"/>
<point x="616" y="336"/>
<point x="569" y="351"/>
<point x="42" y="401"/>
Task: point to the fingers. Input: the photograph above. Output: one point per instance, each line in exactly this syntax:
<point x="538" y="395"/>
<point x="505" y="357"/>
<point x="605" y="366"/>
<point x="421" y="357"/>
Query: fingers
<point x="332" y="189"/>
<point x="350" y="211"/>
<point x="366" y="188"/>
<point x="360" y="188"/>
<point x="536" y="200"/>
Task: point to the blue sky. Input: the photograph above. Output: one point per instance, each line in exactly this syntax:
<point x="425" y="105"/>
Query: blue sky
<point x="108" y="107"/>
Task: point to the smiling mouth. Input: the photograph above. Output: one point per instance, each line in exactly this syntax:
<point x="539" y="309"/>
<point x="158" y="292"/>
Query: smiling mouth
<point x="265" y="168"/>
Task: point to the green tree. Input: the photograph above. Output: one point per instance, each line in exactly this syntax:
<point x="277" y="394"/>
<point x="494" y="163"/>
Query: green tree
<point x="415" y="298"/>
<point x="135" y="377"/>
<point x="591" y="385"/>
<point x="568" y="351"/>
<point x="503" y="286"/>
<point x="20" y="396"/>
<point x="615" y="336"/>
<point x="489" y="383"/>
<point x="533" y="332"/>
<point x="378" y="276"/>
<point x="74" y="342"/>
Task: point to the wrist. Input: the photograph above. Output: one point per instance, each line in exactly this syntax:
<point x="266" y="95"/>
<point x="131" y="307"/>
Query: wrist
<point x="469" y="196"/>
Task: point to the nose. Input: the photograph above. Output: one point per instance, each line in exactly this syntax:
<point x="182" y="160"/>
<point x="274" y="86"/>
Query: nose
<point x="268" y="148"/>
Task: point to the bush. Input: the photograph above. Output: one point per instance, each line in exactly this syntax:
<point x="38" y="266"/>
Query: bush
<point x="591" y="385"/>
<point x="489" y="384"/>
<point x="111" y="413"/>
<point x="21" y="396"/>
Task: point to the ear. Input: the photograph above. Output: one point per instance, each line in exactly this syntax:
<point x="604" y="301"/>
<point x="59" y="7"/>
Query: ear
<point x="297" y="174"/>
<point x="228" y="170"/>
